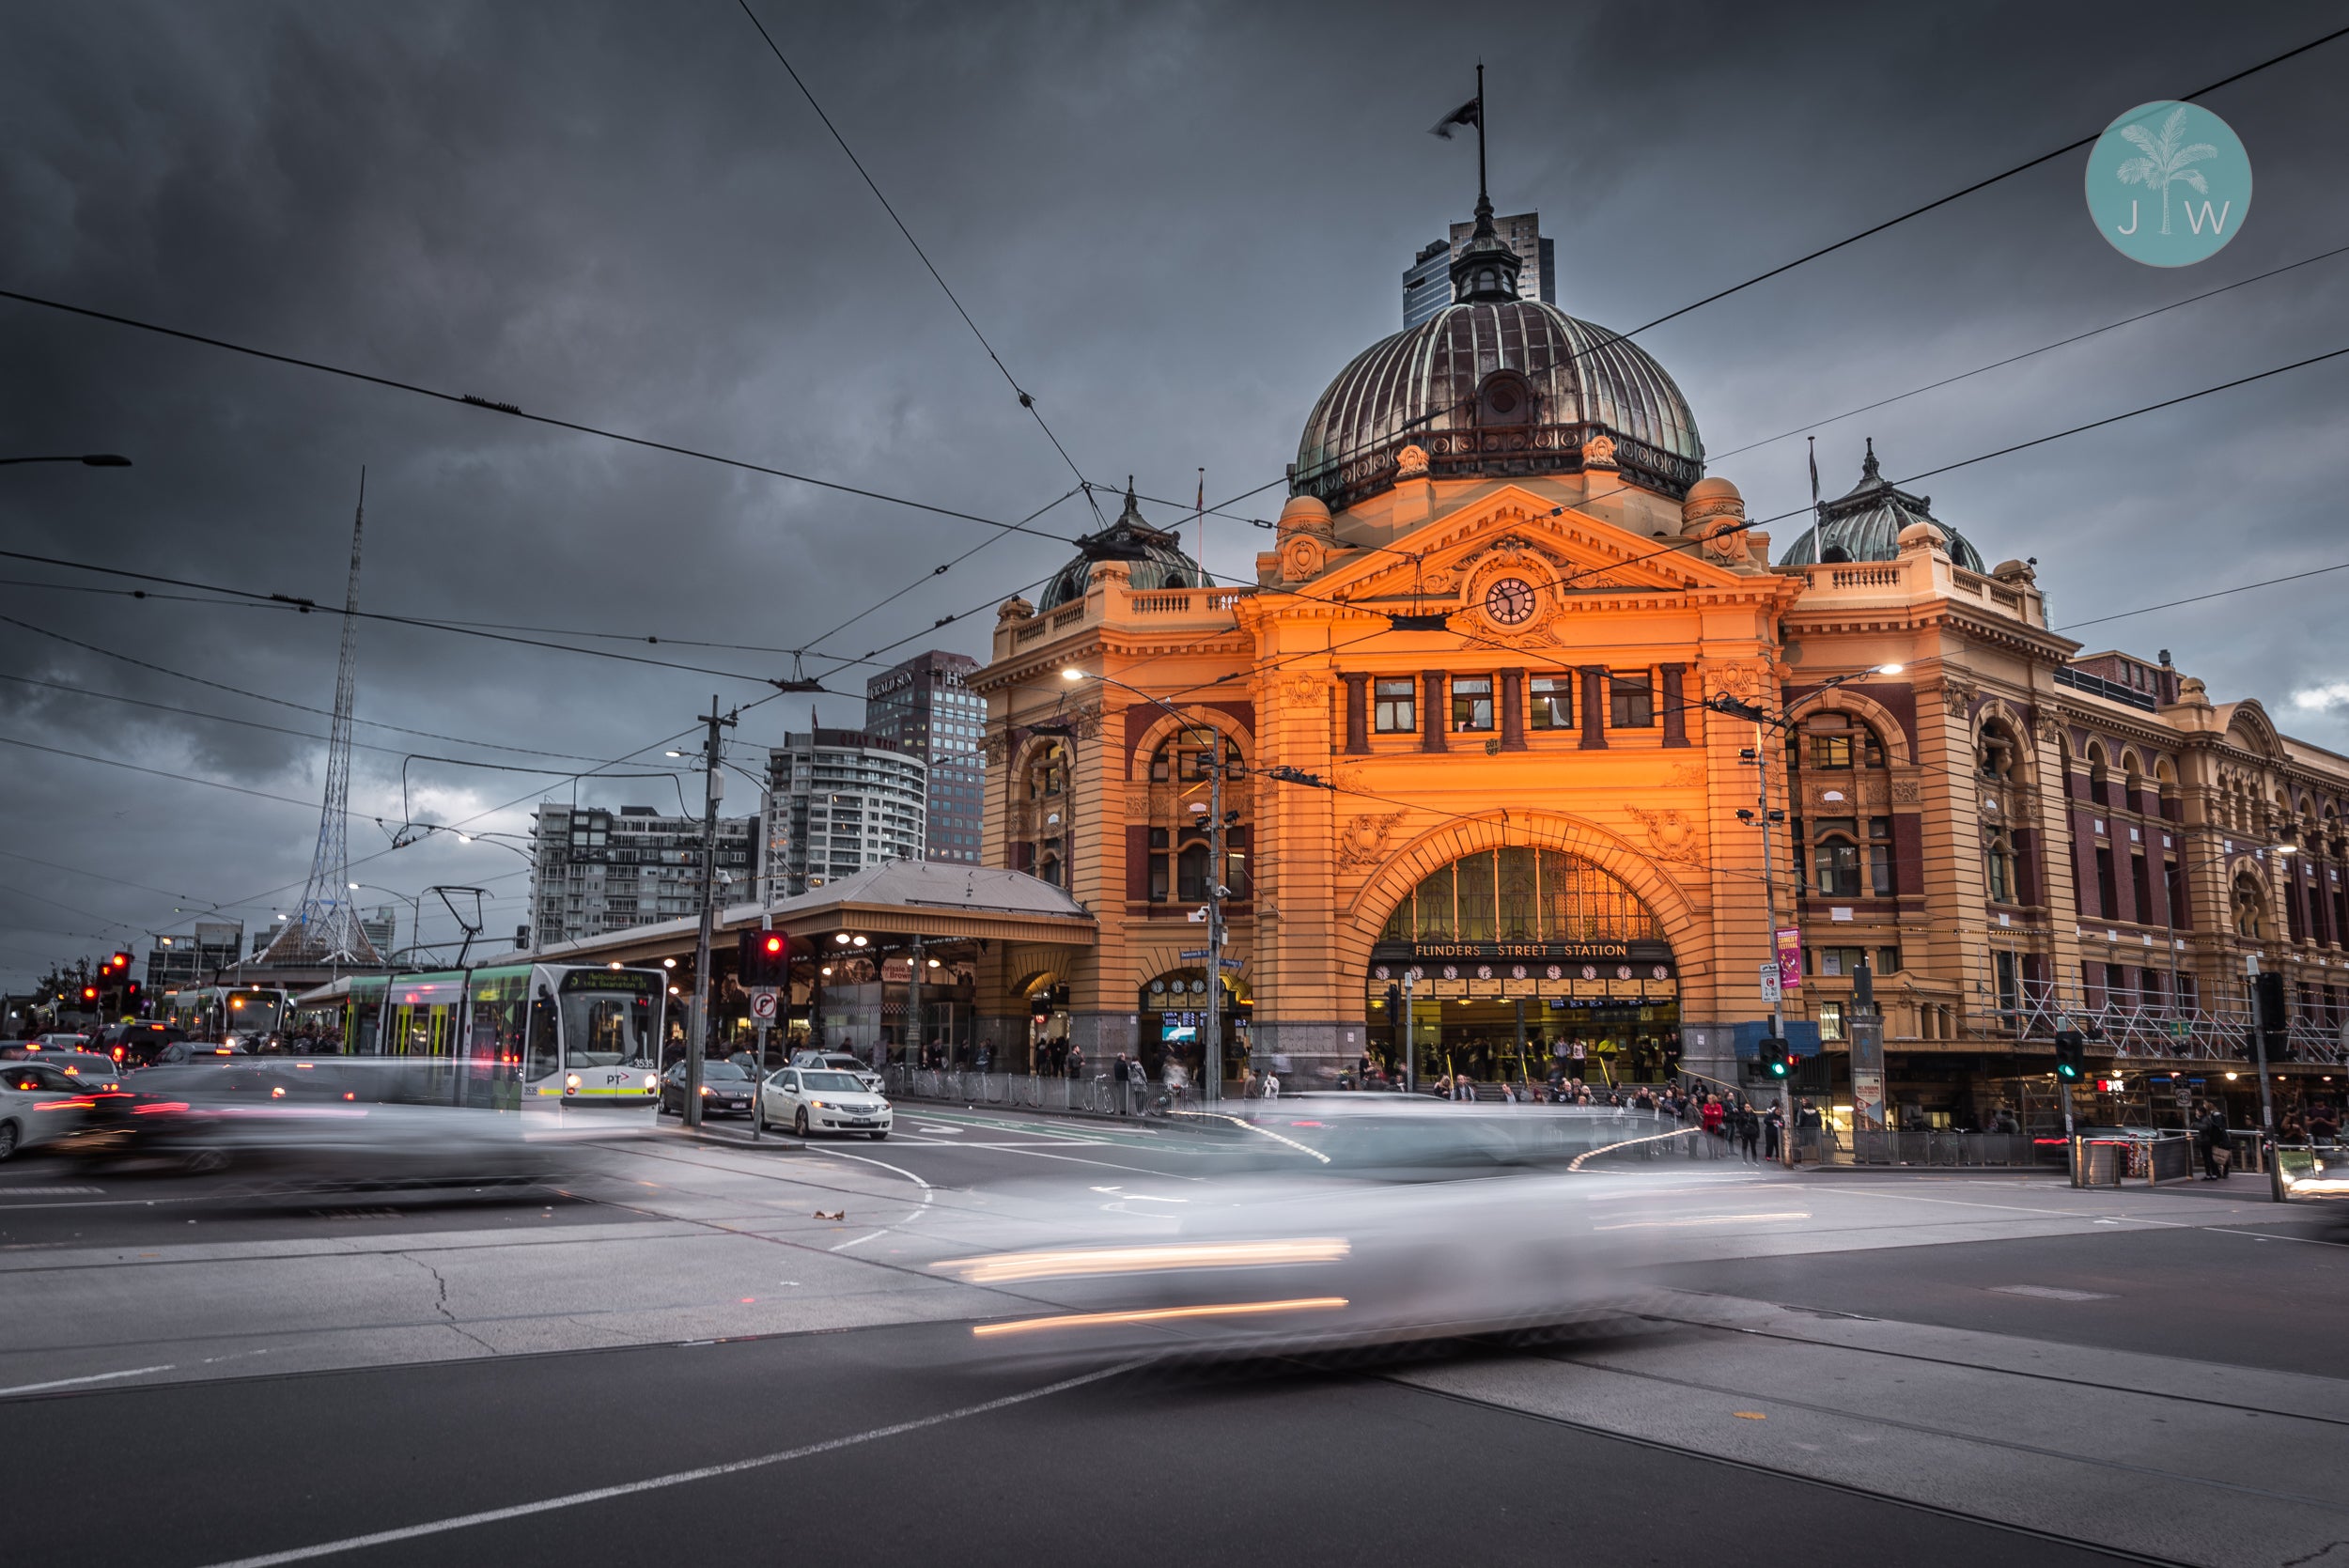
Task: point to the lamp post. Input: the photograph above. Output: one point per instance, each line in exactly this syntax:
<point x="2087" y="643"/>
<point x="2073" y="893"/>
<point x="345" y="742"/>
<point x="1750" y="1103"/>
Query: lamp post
<point x="1725" y="704"/>
<point x="415" y="917"/>
<point x="1211" y="1042"/>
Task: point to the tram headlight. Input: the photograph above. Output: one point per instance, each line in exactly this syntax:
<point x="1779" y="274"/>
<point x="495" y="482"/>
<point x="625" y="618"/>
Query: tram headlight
<point x="570" y="1084"/>
<point x="651" y="1083"/>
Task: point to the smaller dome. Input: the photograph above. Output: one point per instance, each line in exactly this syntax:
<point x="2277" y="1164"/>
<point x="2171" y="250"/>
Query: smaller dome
<point x="1712" y="487"/>
<point x="1921" y="535"/>
<point x="1154" y="558"/>
<point x="1869" y="521"/>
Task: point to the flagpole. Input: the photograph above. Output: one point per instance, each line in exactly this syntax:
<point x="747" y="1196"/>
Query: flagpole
<point x="1814" y="499"/>
<point x="1479" y="127"/>
<point x="1200" y="510"/>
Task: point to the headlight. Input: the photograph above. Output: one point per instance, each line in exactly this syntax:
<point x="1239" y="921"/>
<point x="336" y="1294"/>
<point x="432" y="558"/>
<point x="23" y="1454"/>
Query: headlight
<point x="706" y="1090"/>
<point x="651" y="1083"/>
<point x="822" y="1105"/>
<point x="570" y="1084"/>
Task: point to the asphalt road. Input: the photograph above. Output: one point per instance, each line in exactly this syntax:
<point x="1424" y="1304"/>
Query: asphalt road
<point x="1888" y="1370"/>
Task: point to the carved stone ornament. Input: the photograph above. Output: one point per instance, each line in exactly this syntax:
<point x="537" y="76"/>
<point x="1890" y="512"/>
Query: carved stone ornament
<point x="1304" y="557"/>
<point x="1600" y="452"/>
<point x="1688" y="775"/>
<point x="1671" y="835"/>
<point x="1411" y="463"/>
<point x="1741" y="678"/>
<point x="1958" y="694"/>
<point x="1726" y="541"/>
<point x="1138" y="804"/>
<point x="1363" y="842"/>
<point x="1013" y="608"/>
<point x="1304" y="692"/>
<point x="1905" y="792"/>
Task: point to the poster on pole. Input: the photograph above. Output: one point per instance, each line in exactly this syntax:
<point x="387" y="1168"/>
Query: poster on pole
<point x="1867" y="1094"/>
<point x="1789" y="960"/>
<point x="1770" y="992"/>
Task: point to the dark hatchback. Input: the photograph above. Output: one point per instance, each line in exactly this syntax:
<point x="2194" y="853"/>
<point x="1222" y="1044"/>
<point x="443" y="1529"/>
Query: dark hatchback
<point x="726" y="1089"/>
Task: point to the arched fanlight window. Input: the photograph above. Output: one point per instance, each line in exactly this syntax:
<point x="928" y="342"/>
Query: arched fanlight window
<point x="1541" y="896"/>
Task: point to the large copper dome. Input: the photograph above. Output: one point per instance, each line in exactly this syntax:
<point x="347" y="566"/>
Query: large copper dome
<point x="1498" y="387"/>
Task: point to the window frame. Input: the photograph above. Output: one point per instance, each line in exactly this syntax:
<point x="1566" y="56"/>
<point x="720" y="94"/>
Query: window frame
<point x="1549" y="696"/>
<point x="1461" y="692"/>
<point x="1394" y="705"/>
<point x="1629" y="692"/>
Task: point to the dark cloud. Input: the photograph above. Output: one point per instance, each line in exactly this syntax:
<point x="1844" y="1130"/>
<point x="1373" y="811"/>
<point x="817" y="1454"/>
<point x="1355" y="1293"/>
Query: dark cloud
<point x="1175" y="222"/>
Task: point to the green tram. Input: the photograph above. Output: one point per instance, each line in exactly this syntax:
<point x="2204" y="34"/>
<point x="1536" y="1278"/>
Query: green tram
<point x="509" y="1033"/>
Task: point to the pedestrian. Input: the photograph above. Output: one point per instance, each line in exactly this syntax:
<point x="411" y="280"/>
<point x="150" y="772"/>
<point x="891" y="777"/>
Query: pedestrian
<point x="1271" y="1082"/>
<point x="1713" y="1115"/>
<point x="2211" y="1133"/>
<point x="1773" y="1134"/>
<point x="1749" y="1131"/>
<point x="1138" y="1078"/>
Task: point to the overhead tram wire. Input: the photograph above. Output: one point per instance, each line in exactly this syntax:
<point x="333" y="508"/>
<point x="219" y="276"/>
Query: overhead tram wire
<point x="552" y="422"/>
<point x="1026" y="401"/>
<point x="1610" y="339"/>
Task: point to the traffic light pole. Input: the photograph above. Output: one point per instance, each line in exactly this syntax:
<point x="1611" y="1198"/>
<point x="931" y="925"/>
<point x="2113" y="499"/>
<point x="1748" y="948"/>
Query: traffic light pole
<point x="1770" y="939"/>
<point x="696" y="1032"/>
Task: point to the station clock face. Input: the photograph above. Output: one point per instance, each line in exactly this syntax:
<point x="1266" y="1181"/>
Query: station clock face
<point x="1510" y="602"/>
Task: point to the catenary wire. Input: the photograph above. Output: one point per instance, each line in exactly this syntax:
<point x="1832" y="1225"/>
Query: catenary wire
<point x="1026" y="401"/>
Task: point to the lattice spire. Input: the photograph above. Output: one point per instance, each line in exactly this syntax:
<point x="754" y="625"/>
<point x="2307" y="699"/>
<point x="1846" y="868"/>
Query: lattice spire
<point x="325" y="929"/>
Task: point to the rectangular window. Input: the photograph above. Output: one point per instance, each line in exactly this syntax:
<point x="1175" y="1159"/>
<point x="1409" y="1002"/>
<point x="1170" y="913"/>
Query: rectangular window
<point x="1397" y="710"/>
<point x="2140" y="879"/>
<point x="1888" y="960"/>
<point x="2107" y="901"/>
<point x="1549" y="703"/>
<point x="1471" y="703"/>
<point x="1830" y="1021"/>
<point x="1837" y="865"/>
<point x="1631" y="700"/>
<point x="1830" y="751"/>
<point x="1880" y="870"/>
<point x="1158" y="878"/>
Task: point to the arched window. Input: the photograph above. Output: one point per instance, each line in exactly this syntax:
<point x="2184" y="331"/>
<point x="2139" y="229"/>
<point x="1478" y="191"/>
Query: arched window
<point x="1182" y="773"/>
<point x="1521" y="895"/>
<point x="1505" y="397"/>
<point x="2099" y="776"/>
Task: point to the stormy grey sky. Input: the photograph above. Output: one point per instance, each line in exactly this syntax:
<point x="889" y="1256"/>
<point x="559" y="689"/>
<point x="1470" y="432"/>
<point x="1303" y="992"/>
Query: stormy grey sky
<point x="1175" y="222"/>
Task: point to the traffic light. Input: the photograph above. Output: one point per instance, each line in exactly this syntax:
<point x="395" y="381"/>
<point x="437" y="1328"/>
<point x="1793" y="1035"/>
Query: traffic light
<point x="2071" y="1055"/>
<point x="763" y="957"/>
<point x="1394" y="1003"/>
<point x="122" y="962"/>
<point x="1774" y="1058"/>
<point x="89" y="993"/>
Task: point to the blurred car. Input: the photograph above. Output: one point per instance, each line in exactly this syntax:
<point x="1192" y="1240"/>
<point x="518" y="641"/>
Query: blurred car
<point x="726" y="1089"/>
<point x="336" y="1122"/>
<point x="137" y="1045"/>
<point x="178" y="1052"/>
<point x="40" y="1104"/>
<point x="813" y="1099"/>
<point x="839" y="1061"/>
<point x="64" y="1040"/>
<point x="88" y="1069"/>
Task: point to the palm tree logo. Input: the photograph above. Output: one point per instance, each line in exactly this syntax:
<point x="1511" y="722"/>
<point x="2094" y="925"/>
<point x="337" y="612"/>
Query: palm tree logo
<point x="2164" y="161"/>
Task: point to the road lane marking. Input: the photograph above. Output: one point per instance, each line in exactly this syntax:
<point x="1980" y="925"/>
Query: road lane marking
<point x="1702" y="1219"/>
<point x="70" y="1382"/>
<point x="678" y="1477"/>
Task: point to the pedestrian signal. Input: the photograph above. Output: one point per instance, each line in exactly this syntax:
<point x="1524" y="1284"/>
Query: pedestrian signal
<point x="2071" y="1055"/>
<point x="2275" y="1020"/>
<point x="1774" y="1057"/>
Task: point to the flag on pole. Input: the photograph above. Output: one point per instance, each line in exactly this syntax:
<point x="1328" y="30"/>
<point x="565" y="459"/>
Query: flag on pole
<point x="1814" y="442"/>
<point x="1470" y="112"/>
<point x="1199" y="510"/>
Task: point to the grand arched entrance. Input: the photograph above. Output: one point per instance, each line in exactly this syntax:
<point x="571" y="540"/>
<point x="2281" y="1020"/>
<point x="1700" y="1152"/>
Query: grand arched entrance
<point x="1509" y="963"/>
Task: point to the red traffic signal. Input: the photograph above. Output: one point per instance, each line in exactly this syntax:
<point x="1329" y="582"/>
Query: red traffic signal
<point x="773" y="944"/>
<point x="122" y="962"/>
<point x="89" y="993"/>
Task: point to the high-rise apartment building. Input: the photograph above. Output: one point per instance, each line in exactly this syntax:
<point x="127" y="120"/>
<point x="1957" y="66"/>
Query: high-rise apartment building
<point x="925" y="708"/>
<point x="837" y="801"/>
<point x="1427" y="283"/>
<point x="598" y="870"/>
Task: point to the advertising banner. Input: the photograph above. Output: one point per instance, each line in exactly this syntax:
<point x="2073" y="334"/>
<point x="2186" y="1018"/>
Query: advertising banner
<point x="1789" y="960"/>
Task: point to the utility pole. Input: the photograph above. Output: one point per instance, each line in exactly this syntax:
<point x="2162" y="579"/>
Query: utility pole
<point x="696" y="1033"/>
<point x="912" y="1030"/>
<point x="1410" y="1046"/>
<point x="1769" y="904"/>
<point x="1211" y="1086"/>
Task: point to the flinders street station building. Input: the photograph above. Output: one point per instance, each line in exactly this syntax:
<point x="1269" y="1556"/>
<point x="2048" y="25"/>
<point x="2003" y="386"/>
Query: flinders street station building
<point x="1470" y="728"/>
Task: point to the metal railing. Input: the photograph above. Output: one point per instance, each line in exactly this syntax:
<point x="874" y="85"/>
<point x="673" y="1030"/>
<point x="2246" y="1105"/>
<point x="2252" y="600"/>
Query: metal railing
<point x="1929" y="1146"/>
<point x="1097" y="1094"/>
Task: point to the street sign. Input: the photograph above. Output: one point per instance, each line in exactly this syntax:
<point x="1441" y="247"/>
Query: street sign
<point x="1189" y="953"/>
<point x="763" y="1003"/>
<point x="1770" y="993"/>
<point x="1232" y="963"/>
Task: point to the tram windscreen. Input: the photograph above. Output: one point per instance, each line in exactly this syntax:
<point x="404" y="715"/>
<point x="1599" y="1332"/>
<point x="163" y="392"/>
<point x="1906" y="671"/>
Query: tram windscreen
<point x="255" y="1012"/>
<point x="608" y="1018"/>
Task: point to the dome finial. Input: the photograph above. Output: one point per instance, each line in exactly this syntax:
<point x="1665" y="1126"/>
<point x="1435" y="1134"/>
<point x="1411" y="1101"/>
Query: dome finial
<point x="1869" y="473"/>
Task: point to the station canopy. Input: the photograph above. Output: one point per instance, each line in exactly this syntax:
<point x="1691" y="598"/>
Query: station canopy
<point x="900" y="898"/>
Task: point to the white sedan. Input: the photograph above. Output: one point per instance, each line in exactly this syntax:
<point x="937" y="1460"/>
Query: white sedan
<point x="38" y="1103"/>
<point x="810" y="1099"/>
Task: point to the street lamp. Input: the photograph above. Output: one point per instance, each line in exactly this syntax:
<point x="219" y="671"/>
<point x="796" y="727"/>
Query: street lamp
<point x="1211" y="1045"/>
